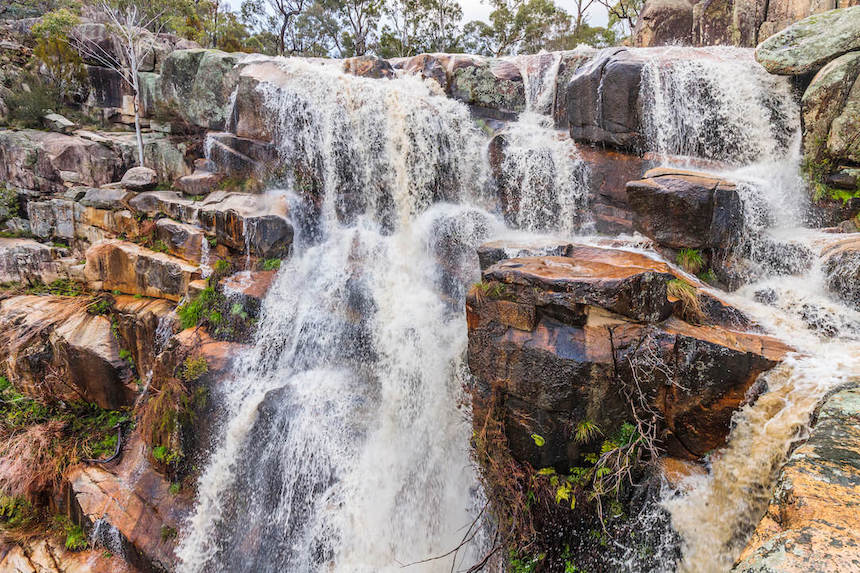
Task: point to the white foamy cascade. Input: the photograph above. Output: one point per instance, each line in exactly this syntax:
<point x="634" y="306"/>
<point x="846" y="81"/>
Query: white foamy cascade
<point x="544" y="174"/>
<point x="717" y="103"/>
<point x="342" y="445"/>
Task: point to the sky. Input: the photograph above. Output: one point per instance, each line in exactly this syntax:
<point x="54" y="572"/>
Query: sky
<point x="480" y="10"/>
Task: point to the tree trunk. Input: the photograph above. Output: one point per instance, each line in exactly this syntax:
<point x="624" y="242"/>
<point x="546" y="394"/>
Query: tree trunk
<point x="138" y="134"/>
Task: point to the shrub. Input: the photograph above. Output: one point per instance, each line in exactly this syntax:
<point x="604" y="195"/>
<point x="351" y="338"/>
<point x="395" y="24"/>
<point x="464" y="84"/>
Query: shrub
<point x="194" y="368"/>
<point x="192" y="313"/>
<point x="690" y="260"/>
<point x="270" y="264"/>
<point x="27" y="106"/>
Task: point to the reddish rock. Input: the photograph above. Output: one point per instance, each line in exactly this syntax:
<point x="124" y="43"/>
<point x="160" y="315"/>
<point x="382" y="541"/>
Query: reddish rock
<point x="134" y="500"/>
<point x="132" y="269"/>
<point x="52" y="348"/>
<point x="557" y="340"/>
<point x="368" y="67"/>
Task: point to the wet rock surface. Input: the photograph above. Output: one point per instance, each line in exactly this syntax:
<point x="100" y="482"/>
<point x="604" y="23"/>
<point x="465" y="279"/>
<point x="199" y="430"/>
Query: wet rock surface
<point x="584" y="336"/>
<point x="812" y="519"/>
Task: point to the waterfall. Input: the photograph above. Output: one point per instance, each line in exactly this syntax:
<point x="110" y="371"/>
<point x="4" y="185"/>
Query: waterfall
<point x="722" y="105"/>
<point x="716" y="103"/>
<point x="544" y="175"/>
<point x="345" y="431"/>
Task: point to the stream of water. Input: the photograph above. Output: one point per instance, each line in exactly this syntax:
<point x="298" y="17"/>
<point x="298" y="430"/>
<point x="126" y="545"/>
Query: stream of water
<point x="344" y="441"/>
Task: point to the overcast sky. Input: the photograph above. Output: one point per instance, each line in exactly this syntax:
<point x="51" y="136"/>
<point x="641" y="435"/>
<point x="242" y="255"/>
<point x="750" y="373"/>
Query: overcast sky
<point x="480" y="10"/>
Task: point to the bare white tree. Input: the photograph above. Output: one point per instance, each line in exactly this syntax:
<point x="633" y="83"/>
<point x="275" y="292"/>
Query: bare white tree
<point x="135" y="43"/>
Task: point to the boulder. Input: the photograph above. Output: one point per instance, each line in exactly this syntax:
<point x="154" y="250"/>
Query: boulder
<point x="428" y="66"/>
<point x="196" y="85"/>
<point x="685" y="209"/>
<point x="58" y="123"/>
<point x="557" y="340"/>
<point x="53" y="349"/>
<point x="140" y="179"/>
<point x="184" y="241"/>
<point x="54" y="218"/>
<point x="841" y="265"/>
<point x="110" y="199"/>
<point x="493" y="87"/>
<point x="26" y="261"/>
<point x="129" y="508"/>
<point x="806" y="46"/>
<point x="570" y="63"/>
<point x="132" y="269"/>
<point x="38" y="160"/>
<point x="611" y="116"/>
<point x="812" y="521"/>
<point x="368" y="67"/>
<point x="844" y="138"/>
<point x="663" y="22"/>
<point x="825" y="99"/>
<point x="239" y="156"/>
<point x="253" y="223"/>
<point x="199" y="183"/>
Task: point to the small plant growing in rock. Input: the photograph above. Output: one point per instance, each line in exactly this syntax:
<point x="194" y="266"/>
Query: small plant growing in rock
<point x="100" y="305"/>
<point x="167" y="532"/>
<point x="690" y="260"/>
<point x="691" y="308"/>
<point x="76" y="539"/>
<point x="194" y="368"/>
<point x="270" y="264"/>
<point x="222" y="266"/>
<point x="160" y="246"/>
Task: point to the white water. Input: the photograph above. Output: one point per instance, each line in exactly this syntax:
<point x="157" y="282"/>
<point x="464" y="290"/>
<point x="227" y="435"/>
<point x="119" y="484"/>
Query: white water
<point x="344" y="447"/>
<point x="724" y="106"/>
<point x="546" y="178"/>
<point x="348" y="402"/>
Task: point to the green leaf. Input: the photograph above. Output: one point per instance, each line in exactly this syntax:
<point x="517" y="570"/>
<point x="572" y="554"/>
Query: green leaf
<point x="539" y="440"/>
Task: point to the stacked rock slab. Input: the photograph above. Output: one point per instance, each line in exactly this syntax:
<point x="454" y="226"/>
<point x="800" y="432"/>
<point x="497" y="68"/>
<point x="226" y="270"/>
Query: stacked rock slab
<point x="592" y="336"/>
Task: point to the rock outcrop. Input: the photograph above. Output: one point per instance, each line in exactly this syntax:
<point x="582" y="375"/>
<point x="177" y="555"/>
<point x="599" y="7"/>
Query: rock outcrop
<point x="52" y="348"/>
<point x="132" y="269"/>
<point x="591" y="336"/>
<point x="812" y="520"/>
<point x="685" y="209"/>
<point x="809" y="44"/>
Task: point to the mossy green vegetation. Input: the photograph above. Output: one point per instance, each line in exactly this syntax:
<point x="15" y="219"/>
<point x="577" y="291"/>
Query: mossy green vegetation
<point x="691" y="260"/>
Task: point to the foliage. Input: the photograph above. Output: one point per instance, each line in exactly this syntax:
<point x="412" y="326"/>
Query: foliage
<point x="691" y="308"/>
<point x="690" y="260"/>
<point x="270" y="264"/>
<point x="63" y="67"/>
<point x="59" y="287"/>
<point x="160" y="246"/>
<point x="76" y="538"/>
<point x="100" y="305"/>
<point x="17" y="513"/>
<point x="35" y="98"/>
<point x="515" y="26"/>
<point x="40" y="440"/>
<point x="194" y="368"/>
<point x="196" y="311"/>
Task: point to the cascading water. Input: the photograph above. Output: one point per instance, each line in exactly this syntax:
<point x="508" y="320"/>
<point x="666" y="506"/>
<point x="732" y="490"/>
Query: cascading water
<point x="343" y="448"/>
<point x="722" y="105"/>
<point x="545" y="177"/>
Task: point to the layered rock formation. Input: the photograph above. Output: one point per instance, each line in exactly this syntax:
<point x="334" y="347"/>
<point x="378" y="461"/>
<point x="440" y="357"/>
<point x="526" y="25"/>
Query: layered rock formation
<point x="721" y="22"/>
<point x="590" y="336"/>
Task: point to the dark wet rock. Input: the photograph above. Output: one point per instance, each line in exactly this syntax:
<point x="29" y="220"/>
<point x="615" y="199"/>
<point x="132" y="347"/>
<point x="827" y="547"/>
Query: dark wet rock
<point x="562" y="339"/>
<point x="492" y="86"/>
<point x="842" y="268"/>
<point x="685" y="209"/>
